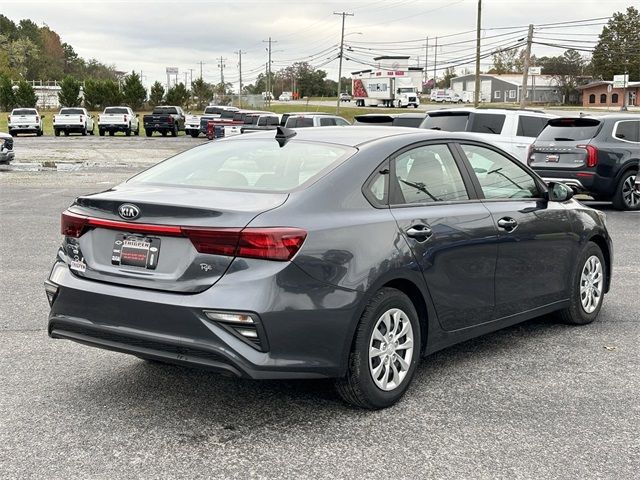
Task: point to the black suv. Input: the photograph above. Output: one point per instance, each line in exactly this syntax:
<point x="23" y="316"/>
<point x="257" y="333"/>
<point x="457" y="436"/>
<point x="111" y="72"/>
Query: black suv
<point x="595" y="156"/>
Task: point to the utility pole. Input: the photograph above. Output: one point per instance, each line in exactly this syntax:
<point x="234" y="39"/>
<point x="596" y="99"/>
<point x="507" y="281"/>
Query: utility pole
<point x="269" y="87"/>
<point x="476" y="91"/>
<point x="222" y="66"/>
<point x="185" y="79"/>
<point x="344" y="15"/>
<point x="240" y="52"/>
<point x="426" y="62"/>
<point x="435" y="62"/>
<point x="201" y="63"/>
<point x="190" y="77"/>
<point x="525" y="74"/>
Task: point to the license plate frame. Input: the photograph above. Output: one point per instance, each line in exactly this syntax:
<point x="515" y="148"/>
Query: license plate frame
<point x="137" y="251"/>
<point x="552" y="158"/>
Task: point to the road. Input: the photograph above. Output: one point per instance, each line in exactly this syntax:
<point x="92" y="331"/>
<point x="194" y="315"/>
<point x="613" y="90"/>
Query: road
<point x="539" y="400"/>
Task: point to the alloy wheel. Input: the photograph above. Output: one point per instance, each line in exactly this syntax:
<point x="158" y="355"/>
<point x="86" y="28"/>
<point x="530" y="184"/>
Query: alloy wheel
<point x="591" y="283"/>
<point x="391" y="349"/>
<point x="630" y="195"/>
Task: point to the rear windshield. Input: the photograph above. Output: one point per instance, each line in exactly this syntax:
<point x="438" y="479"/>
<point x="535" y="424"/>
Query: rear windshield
<point x="72" y="111"/>
<point x="407" y="122"/>
<point x="213" y="110"/>
<point x="116" y="110"/>
<point x="165" y="110"/>
<point x="228" y="114"/>
<point x="569" y="129"/>
<point x="448" y="122"/>
<point x="24" y="111"/>
<point x="375" y="120"/>
<point x="299" y="122"/>
<point x="247" y="165"/>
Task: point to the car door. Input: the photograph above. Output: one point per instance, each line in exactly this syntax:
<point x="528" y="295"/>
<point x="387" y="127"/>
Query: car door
<point x="536" y="246"/>
<point x="449" y="231"/>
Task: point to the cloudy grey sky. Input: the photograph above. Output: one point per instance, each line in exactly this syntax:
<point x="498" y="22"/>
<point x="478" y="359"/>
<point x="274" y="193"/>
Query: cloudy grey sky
<point x="147" y="36"/>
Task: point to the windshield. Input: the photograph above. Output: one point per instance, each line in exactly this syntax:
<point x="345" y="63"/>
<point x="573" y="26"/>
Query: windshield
<point x="569" y="129"/>
<point x="24" y="111"/>
<point x="407" y="122"/>
<point x="247" y="165"/>
<point x="71" y="111"/>
<point x="116" y="110"/>
<point x="213" y="110"/>
<point x="449" y="122"/>
<point x="165" y="110"/>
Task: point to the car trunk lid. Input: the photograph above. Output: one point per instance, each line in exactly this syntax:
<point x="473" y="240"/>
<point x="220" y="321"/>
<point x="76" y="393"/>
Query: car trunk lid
<point x="565" y="144"/>
<point x="135" y="237"/>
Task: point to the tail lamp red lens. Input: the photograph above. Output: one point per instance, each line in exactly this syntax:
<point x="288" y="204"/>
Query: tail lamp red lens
<point x="530" y="154"/>
<point x="592" y="154"/>
<point x="272" y="243"/>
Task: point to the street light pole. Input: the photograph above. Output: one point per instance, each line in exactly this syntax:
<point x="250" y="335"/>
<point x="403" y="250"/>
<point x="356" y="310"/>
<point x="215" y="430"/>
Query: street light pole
<point x="476" y="90"/>
<point x="343" y="14"/>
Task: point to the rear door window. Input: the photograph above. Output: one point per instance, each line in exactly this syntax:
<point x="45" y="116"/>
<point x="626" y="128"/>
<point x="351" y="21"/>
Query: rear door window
<point x="327" y="122"/>
<point x="24" y="111"/>
<point x="529" y="126"/>
<point x="628" y="131"/>
<point x="427" y="174"/>
<point x="486" y="123"/>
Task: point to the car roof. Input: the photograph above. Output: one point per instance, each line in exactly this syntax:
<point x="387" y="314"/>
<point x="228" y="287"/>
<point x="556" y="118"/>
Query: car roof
<point x="354" y="136"/>
<point x="505" y="111"/>
<point x="306" y="113"/>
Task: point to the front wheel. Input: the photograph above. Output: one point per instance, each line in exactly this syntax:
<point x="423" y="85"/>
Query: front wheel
<point x="385" y="352"/>
<point x="626" y="196"/>
<point x="587" y="287"/>
<point x="101" y="132"/>
<point x="174" y="132"/>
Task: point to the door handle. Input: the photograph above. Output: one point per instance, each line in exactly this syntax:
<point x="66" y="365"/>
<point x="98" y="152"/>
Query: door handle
<point x="507" y="223"/>
<point x="420" y="232"/>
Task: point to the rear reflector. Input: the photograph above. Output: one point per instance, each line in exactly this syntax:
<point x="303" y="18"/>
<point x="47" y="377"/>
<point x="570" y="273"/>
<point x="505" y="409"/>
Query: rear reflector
<point x="276" y="243"/>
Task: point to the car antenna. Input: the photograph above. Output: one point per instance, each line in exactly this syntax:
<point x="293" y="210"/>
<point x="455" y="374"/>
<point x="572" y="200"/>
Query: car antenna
<point x="283" y="135"/>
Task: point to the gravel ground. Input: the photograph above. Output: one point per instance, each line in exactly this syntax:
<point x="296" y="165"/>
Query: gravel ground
<point x="539" y="400"/>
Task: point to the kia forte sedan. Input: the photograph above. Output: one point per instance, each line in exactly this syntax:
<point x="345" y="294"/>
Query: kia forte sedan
<point x="338" y="252"/>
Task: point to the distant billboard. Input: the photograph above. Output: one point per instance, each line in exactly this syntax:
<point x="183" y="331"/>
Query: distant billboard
<point x="620" y="81"/>
<point x="172" y="70"/>
<point x="535" y="70"/>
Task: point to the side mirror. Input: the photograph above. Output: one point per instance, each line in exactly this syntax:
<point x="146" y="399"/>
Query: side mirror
<point x="559" y="192"/>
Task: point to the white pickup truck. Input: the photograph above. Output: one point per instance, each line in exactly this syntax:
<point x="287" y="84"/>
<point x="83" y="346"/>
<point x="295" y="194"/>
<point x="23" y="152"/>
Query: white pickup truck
<point x="25" y="120"/>
<point x="118" y="119"/>
<point x="73" y="119"/>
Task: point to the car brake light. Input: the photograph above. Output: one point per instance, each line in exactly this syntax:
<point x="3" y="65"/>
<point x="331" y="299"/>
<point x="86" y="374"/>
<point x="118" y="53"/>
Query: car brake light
<point x="81" y="118"/>
<point x="125" y="118"/>
<point x="277" y="243"/>
<point x="37" y="119"/>
<point x="592" y="154"/>
<point x="170" y="119"/>
<point x="530" y="155"/>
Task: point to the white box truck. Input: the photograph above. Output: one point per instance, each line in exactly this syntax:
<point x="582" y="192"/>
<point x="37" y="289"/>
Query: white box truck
<point x="392" y="83"/>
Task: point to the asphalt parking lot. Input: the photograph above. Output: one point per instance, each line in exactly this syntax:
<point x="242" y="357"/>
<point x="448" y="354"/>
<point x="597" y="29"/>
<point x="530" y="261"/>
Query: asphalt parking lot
<point x="539" y="400"/>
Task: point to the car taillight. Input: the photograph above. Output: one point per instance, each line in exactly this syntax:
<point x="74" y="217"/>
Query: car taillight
<point x="592" y="154"/>
<point x="125" y="118"/>
<point x="530" y="154"/>
<point x="8" y="118"/>
<point x="171" y="119"/>
<point x="81" y="118"/>
<point x="277" y="243"/>
<point x="37" y="119"/>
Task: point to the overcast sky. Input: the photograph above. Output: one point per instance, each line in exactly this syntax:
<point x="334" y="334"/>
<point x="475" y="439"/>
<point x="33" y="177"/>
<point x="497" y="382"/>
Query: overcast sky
<point x="148" y="36"/>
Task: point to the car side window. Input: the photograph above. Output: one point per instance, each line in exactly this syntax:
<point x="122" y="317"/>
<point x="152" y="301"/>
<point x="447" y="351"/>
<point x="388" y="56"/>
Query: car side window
<point x="428" y="174"/>
<point x="341" y="123"/>
<point x="529" y="126"/>
<point x="499" y="176"/>
<point x="487" y="123"/>
<point x="628" y="130"/>
<point x="327" y="122"/>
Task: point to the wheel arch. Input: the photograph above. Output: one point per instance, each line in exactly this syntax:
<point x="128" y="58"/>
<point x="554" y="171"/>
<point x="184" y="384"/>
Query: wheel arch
<point x="600" y="241"/>
<point x="416" y="296"/>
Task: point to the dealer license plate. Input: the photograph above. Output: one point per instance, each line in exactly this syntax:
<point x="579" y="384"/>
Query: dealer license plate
<point x="136" y="251"/>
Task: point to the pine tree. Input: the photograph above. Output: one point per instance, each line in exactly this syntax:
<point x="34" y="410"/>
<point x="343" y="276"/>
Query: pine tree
<point x="69" y="95"/>
<point x="178" y="95"/>
<point x="25" y="95"/>
<point x="157" y="94"/>
<point x="133" y="92"/>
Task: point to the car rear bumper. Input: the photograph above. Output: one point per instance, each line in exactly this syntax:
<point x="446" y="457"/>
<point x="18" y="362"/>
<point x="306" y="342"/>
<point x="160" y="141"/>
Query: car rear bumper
<point x="116" y="127"/>
<point x="300" y="338"/>
<point x="7" y="156"/>
<point x="23" y="128"/>
<point x="580" y="181"/>
<point x="69" y="127"/>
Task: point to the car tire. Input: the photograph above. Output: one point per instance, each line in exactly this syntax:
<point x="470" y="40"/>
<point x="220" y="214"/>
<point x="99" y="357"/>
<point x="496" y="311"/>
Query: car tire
<point x="626" y="196"/>
<point x="163" y="133"/>
<point x="66" y="133"/>
<point x="56" y="132"/>
<point x="137" y="132"/>
<point x="587" y="287"/>
<point x="174" y="132"/>
<point x="372" y="363"/>
<point x="112" y="133"/>
<point x="148" y="133"/>
<point x="12" y="133"/>
<point x="195" y="133"/>
<point x="101" y="132"/>
<point x="39" y="132"/>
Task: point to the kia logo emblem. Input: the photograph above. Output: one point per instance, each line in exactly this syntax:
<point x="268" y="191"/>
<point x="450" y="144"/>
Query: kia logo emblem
<point x="128" y="211"/>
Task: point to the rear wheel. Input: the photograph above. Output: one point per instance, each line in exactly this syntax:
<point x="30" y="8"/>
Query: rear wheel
<point x="148" y="132"/>
<point x="163" y="133"/>
<point x="174" y="132"/>
<point x="587" y="287"/>
<point x="66" y="133"/>
<point x="137" y="132"/>
<point x="39" y="132"/>
<point x="56" y="132"/>
<point x="101" y="132"/>
<point x="626" y="196"/>
<point x="111" y="133"/>
<point x="385" y="352"/>
<point x="84" y="132"/>
<point x="195" y="133"/>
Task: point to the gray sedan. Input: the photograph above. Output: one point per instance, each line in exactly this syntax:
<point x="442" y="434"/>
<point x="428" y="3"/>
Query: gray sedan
<point x="344" y="252"/>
